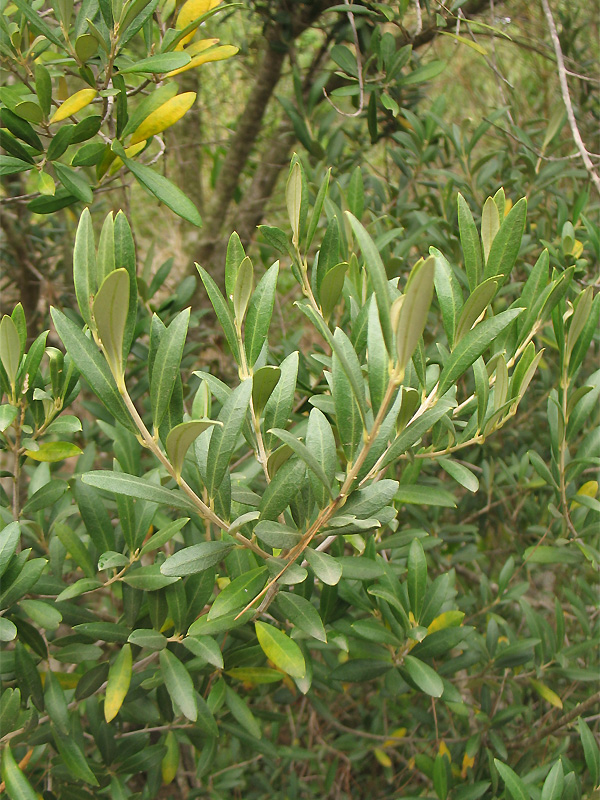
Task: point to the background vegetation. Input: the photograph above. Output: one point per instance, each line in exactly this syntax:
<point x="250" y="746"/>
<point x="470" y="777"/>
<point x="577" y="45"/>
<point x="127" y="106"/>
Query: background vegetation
<point x="436" y="635"/>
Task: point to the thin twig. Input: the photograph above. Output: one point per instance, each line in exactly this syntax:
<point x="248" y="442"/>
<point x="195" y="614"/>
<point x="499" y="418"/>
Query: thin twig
<point x="361" y="86"/>
<point x="564" y="89"/>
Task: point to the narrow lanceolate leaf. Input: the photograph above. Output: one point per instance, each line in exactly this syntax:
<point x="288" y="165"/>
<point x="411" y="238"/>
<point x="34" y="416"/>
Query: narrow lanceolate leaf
<point x="377" y="357"/>
<point x="17" y="785"/>
<point x="181" y="437"/>
<point x="105" y="262"/>
<point x="417" y="577"/>
<point x="469" y="240"/>
<point x="179" y="684"/>
<point x="110" y="309"/>
<point x="423" y="676"/>
<point x="164" y="190"/>
<point x="325" y="567"/>
<point x="239" y="592"/>
<point x="161" y="62"/>
<point x="284" y="486"/>
<point x="320" y="442"/>
<point x="194" y="559"/>
<point x="280" y="403"/>
<point x="305" y="455"/>
<point x="448" y="292"/>
<point x="507" y="243"/>
<point x="10" y="348"/>
<point x="554" y="783"/>
<point x="281" y="650"/>
<point x="490" y="225"/>
<point x="121" y="483"/>
<point x="93" y="367"/>
<point x="417" y="429"/>
<point x="260" y="311"/>
<point x="514" y="785"/>
<point x="591" y="751"/>
<point x="474" y="344"/>
<point x="413" y="314"/>
<point x="476" y="304"/>
<point x="119" y="678"/>
<point x="84" y="266"/>
<point x="460" y="473"/>
<point x="242" y="290"/>
<point x="222" y="310"/>
<point x="241" y="713"/>
<point x="164" y="116"/>
<point x="302" y="614"/>
<point x="377" y="274"/>
<point x="166" y="365"/>
<point x="224" y="438"/>
<point x="293" y="199"/>
<point x="264" y="382"/>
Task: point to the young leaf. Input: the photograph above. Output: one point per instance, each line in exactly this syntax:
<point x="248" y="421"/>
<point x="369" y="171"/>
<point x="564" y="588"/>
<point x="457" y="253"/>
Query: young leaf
<point x="235" y="256"/>
<point x="507" y="243"/>
<point x="377" y="358"/>
<point x="260" y="311"/>
<point x="280" y="403"/>
<point x="221" y="310"/>
<point x="166" y="365"/>
<point x="264" y="382"/>
<point x="476" y="304"/>
<point x="181" y="437"/>
<point x="242" y="290"/>
<point x="469" y="240"/>
<point x="179" y="684"/>
<point x="119" y="678"/>
<point x="110" y="309"/>
<point x="281" y="650"/>
<point x="448" y="292"/>
<point x="413" y="314"/>
<point x="293" y="199"/>
<point x="10" y="348"/>
<point x="490" y="225"/>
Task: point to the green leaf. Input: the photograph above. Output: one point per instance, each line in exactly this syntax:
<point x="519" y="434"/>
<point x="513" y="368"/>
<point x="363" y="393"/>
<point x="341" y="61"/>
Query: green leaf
<point x="377" y="357"/>
<point x="514" y="785"/>
<point x="10" y="348"/>
<point x="280" y="403"/>
<point x="9" y="165"/>
<point x="196" y="558"/>
<point x="490" y="225"/>
<point x="507" y="243"/>
<point x="320" y="443"/>
<point x="460" y="473"/>
<point x="84" y="266"/>
<point x="417" y="577"/>
<point x="448" y="292"/>
<point x="54" y="451"/>
<point x="241" y="713"/>
<point x="119" y="678"/>
<point x="17" y="785"/>
<point x="38" y="23"/>
<point x="476" y="304"/>
<point x="242" y="290"/>
<point x="347" y="411"/>
<point x="417" y="429"/>
<point x="377" y="274"/>
<point x="165" y="368"/>
<point x="264" y="381"/>
<point x="293" y="199"/>
<point x="43" y="88"/>
<point x="144" y="637"/>
<point x="423" y="676"/>
<point x="78" y="588"/>
<point x="238" y="593"/>
<point x="260" y="311"/>
<point x="304" y="454"/>
<point x="302" y="614"/>
<point x="56" y="704"/>
<point x="162" y="188"/>
<point x="163" y="535"/>
<point x="224" y="439"/>
<point x="469" y="240"/>
<point x="425" y="496"/>
<point x="424" y="73"/>
<point x="474" y="344"/>
<point x="222" y="311"/>
<point x="591" y="752"/>
<point x="10" y="537"/>
<point x="23" y="583"/>
<point x="284" y="486"/>
<point x="148" y="579"/>
<point x="205" y="647"/>
<point x="8" y="415"/>
<point x="74" y="759"/>
<point x="110" y="309"/>
<point x="76" y="548"/>
<point x="276" y="535"/>
<point x="414" y="310"/>
<point x="554" y="783"/>
<point x="162" y="62"/>
<point x="235" y="255"/>
<point x="130" y="485"/>
<point x="73" y="182"/>
<point x="281" y="650"/>
<point x="93" y="367"/>
<point x="8" y="630"/>
<point x="179" y="684"/>
<point x="360" y="670"/>
<point x="181" y="437"/>
<point x="325" y="567"/>
<point x="331" y="287"/>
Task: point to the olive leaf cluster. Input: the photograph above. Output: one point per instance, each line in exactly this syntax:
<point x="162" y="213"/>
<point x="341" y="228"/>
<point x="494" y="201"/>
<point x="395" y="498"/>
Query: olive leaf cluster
<point x="251" y="546"/>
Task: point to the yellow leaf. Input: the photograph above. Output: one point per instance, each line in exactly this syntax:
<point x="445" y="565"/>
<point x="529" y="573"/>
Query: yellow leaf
<point x="191" y="11"/>
<point x="117" y="686"/>
<point x="589" y="489"/>
<point x="449" y="619"/>
<point x="200" y="46"/>
<point x="468" y="762"/>
<point x="170" y="761"/>
<point x="164" y="116"/>
<point x="577" y="249"/>
<point x="73" y="104"/>
<point x="130" y="152"/>
<point x="382" y="757"/>
<point x="547" y="694"/>
<point x="443" y="750"/>
<point x="508" y="204"/>
<point x="216" y="54"/>
<point x="399" y="733"/>
<point x="223" y="582"/>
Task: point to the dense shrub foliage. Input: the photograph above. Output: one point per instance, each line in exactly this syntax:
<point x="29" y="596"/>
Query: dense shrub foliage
<point x="277" y="585"/>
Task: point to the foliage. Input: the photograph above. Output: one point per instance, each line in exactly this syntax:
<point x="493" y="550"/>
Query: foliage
<point x="106" y="72"/>
<point x="272" y="583"/>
